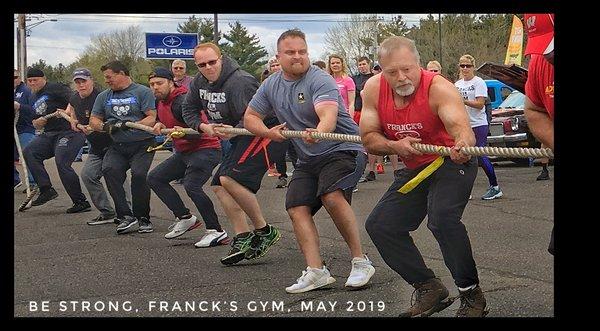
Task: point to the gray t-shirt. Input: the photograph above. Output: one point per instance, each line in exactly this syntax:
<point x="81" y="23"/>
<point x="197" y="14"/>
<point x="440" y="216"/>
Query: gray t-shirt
<point x="129" y="104"/>
<point x="294" y="102"/>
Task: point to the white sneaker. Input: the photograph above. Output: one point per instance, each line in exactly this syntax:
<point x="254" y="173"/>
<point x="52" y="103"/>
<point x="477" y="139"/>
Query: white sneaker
<point x="213" y="238"/>
<point x="182" y="226"/>
<point x="362" y="271"/>
<point x="311" y="279"/>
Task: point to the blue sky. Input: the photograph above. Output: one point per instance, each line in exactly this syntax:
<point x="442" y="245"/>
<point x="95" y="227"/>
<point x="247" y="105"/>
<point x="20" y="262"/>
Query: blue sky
<point x="64" y="40"/>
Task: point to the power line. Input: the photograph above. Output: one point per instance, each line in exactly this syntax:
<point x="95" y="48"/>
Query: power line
<point x="56" y="47"/>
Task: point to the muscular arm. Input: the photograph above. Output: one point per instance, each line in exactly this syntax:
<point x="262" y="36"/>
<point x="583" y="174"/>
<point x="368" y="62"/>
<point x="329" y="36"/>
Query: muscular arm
<point x="327" y="113"/>
<point x="445" y="100"/>
<point x="253" y="122"/>
<point x="150" y="118"/>
<point x="540" y="124"/>
<point x="370" y="128"/>
<point x="96" y="122"/>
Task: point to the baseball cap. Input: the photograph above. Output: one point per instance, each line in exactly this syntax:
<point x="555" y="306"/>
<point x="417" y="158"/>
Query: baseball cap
<point x="34" y="72"/>
<point x="540" y="33"/>
<point x="82" y="73"/>
<point x="162" y="73"/>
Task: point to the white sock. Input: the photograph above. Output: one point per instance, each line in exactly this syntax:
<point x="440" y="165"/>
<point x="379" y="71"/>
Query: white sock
<point x="467" y="288"/>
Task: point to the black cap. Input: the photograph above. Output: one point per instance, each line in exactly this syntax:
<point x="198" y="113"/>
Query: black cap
<point x="34" y="72"/>
<point x="162" y="73"/>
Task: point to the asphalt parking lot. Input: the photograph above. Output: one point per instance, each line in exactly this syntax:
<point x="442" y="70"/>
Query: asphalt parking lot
<point x="63" y="267"/>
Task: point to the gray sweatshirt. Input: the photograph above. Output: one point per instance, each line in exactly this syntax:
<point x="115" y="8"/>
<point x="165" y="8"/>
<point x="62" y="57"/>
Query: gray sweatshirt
<point x="224" y="101"/>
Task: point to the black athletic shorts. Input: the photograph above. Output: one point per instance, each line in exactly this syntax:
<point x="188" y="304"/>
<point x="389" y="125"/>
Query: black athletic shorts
<point x="339" y="170"/>
<point x="246" y="162"/>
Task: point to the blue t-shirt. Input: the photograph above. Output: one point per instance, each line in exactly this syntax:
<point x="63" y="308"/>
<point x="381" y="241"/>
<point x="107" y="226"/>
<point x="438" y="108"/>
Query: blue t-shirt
<point x="294" y="102"/>
<point x="129" y="104"/>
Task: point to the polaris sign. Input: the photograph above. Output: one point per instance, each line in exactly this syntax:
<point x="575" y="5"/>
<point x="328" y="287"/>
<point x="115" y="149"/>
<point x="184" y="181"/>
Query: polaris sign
<point x="170" y="45"/>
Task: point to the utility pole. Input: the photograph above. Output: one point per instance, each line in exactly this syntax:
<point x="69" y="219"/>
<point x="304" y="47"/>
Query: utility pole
<point x="21" y="46"/>
<point x="216" y="31"/>
<point x="440" y="33"/>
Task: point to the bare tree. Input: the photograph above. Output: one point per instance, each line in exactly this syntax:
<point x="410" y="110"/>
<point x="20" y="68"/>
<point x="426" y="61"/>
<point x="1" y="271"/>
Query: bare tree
<point x="125" y="45"/>
<point x="353" y="38"/>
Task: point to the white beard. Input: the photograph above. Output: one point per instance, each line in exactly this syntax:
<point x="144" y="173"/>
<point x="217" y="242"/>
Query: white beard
<point x="405" y="91"/>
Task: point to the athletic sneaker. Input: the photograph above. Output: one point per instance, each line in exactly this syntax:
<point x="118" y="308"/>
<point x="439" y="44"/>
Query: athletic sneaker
<point x="213" y="238"/>
<point x="127" y="224"/>
<point x="370" y="176"/>
<point x="281" y="183"/>
<point x="544" y="175"/>
<point x="79" y="207"/>
<point x="99" y="220"/>
<point x="182" y="226"/>
<point x="494" y="192"/>
<point x="239" y="245"/>
<point x="262" y="241"/>
<point x="145" y="225"/>
<point x="362" y="271"/>
<point x="311" y="279"/>
<point x="45" y="196"/>
<point x="380" y="169"/>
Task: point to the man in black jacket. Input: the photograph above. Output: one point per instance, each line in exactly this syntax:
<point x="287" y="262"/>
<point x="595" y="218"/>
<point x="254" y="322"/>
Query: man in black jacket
<point x="222" y="90"/>
<point x="57" y="140"/>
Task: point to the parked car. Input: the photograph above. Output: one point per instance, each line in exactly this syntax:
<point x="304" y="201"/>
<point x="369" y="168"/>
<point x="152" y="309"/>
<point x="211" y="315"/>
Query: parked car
<point x="508" y="127"/>
<point x="497" y="92"/>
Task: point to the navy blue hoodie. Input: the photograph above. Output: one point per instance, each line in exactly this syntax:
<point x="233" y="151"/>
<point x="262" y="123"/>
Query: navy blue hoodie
<point x="24" y="96"/>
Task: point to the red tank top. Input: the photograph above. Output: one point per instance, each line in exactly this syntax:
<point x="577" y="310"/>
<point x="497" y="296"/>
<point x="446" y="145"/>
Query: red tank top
<point x="189" y="143"/>
<point x="414" y="119"/>
<point x="539" y="87"/>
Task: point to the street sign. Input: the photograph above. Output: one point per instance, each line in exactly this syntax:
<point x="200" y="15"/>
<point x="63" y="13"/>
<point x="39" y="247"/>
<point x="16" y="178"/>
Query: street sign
<point x="170" y="45"/>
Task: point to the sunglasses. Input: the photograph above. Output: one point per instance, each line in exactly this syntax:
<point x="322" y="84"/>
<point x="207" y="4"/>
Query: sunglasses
<point x="178" y="68"/>
<point x="16" y="77"/>
<point x="465" y="65"/>
<point x="210" y="63"/>
<point x="434" y="70"/>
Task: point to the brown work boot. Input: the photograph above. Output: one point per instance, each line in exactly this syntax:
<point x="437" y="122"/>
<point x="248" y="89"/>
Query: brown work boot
<point x="431" y="297"/>
<point x="472" y="303"/>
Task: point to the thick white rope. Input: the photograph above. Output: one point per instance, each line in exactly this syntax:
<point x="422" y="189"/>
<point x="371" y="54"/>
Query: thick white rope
<point x="27" y="203"/>
<point x="514" y="152"/>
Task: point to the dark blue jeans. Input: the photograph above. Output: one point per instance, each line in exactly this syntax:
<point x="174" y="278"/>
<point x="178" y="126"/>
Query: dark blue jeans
<point x="118" y="159"/>
<point x="63" y="146"/>
<point x="441" y="197"/>
<point x="24" y="138"/>
<point x="195" y="168"/>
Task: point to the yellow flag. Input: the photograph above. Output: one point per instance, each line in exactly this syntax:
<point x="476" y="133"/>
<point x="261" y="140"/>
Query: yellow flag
<point x="514" y="50"/>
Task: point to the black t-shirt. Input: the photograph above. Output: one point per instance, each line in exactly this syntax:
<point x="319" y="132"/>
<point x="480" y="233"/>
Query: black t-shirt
<point x="47" y="100"/>
<point x="99" y="141"/>
<point x="359" y="81"/>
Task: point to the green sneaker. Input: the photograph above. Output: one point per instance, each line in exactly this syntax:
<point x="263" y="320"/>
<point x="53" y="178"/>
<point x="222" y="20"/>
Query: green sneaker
<point x="262" y="242"/>
<point x="239" y="246"/>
